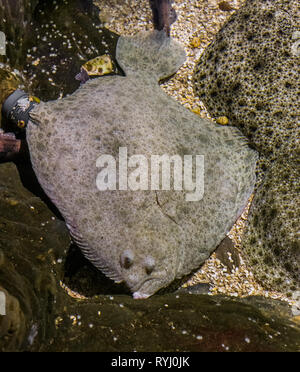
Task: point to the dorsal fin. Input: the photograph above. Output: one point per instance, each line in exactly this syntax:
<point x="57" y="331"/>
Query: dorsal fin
<point x="90" y="253"/>
<point x="151" y="53"/>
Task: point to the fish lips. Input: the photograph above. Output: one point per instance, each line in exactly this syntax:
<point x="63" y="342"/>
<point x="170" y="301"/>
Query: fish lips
<point x="148" y="287"/>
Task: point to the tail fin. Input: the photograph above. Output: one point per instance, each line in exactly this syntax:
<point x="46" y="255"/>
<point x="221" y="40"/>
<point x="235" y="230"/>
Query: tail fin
<point x="152" y="53"/>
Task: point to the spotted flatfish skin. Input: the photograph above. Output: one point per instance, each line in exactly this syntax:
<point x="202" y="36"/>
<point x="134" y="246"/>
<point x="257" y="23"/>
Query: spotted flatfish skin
<point x="147" y="238"/>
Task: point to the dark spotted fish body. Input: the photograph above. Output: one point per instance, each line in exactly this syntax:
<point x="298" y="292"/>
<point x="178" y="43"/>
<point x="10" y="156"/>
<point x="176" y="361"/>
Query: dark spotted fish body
<point x="145" y="238"/>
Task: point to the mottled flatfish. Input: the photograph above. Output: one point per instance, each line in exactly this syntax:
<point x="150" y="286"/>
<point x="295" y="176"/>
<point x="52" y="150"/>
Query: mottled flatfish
<point x="145" y="237"/>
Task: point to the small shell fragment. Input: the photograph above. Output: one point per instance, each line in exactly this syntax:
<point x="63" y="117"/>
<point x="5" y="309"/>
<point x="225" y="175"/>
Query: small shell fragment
<point x="223" y="120"/>
<point x="196" y="42"/>
<point x="98" y="66"/>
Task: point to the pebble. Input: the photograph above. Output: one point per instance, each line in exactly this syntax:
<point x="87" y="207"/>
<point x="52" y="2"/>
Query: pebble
<point x="225" y="6"/>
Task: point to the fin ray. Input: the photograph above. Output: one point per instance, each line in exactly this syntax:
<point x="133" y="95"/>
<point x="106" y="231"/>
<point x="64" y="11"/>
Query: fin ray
<point x="152" y="53"/>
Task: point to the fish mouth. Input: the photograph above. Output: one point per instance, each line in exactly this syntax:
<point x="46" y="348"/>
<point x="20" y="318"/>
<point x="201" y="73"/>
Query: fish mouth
<point x="146" y="289"/>
<point x="140" y="296"/>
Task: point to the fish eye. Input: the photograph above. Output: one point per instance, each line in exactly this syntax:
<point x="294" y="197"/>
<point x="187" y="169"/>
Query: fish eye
<point x="149" y="264"/>
<point x="126" y="259"/>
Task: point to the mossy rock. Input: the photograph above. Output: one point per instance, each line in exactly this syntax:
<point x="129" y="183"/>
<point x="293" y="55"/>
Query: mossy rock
<point x="52" y="40"/>
<point x="32" y="240"/>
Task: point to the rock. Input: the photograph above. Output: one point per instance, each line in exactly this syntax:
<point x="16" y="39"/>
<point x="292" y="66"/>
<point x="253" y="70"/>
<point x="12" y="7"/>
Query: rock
<point x="15" y="19"/>
<point x="56" y="39"/>
<point x="170" y="323"/>
<point x="32" y="240"/>
<point x="200" y="288"/>
<point x="228" y="254"/>
<point x="225" y="6"/>
<point x="249" y="74"/>
<point x="65" y="36"/>
<point x="12" y="322"/>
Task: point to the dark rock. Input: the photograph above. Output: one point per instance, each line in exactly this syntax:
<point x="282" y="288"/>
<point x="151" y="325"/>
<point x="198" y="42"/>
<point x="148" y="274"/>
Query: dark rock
<point x="85" y="279"/>
<point x="13" y="324"/>
<point x="200" y="288"/>
<point x="32" y="243"/>
<point x="227" y="254"/>
<point x="15" y="19"/>
<point x="172" y="323"/>
<point x="225" y="6"/>
<point x="52" y="40"/>
<point x="65" y="36"/>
